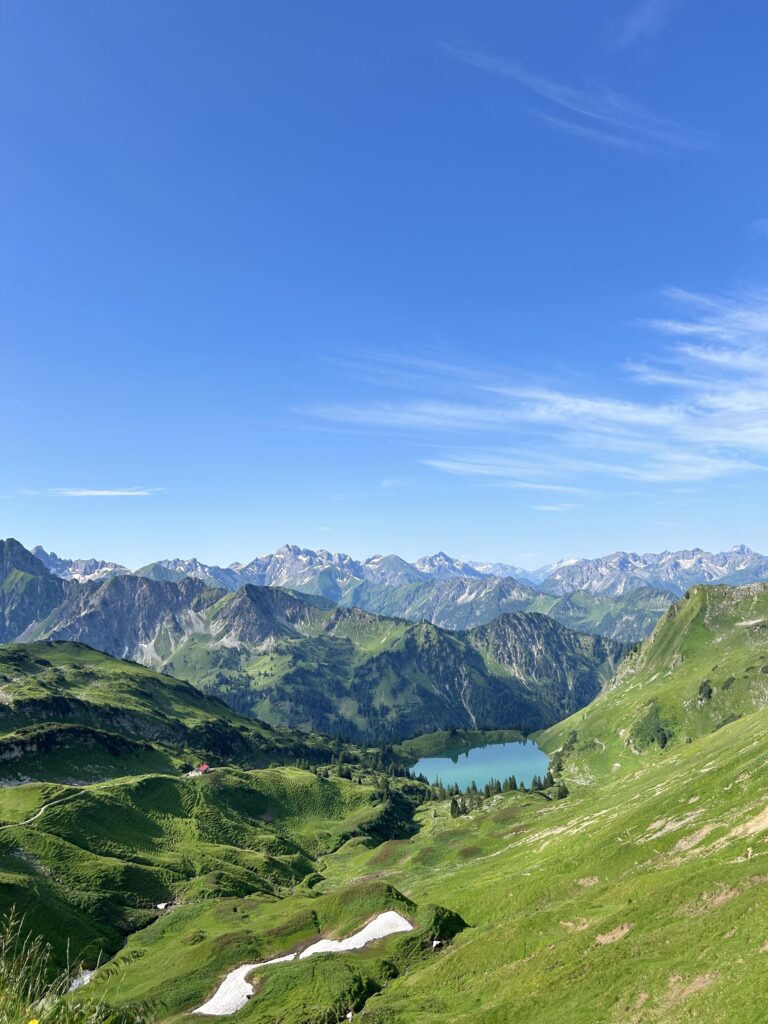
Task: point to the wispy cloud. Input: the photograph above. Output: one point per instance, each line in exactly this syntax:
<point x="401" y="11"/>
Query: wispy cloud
<point x="99" y="492"/>
<point x="760" y="226"/>
<point x="696" y="412"/>
<point x="527" y="485"/>
<point x="597" y="113"/>
<point x="553" y="508"/>
<point x="645" y="19"/>
<point x="584" y="131"/>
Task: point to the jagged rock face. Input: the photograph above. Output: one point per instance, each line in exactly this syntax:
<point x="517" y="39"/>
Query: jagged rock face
<point x="502" y="569"/>
<point x="80" y="569"/>
<point x="458" y="594"/>
<point x="628" y="617"/>
<point x="453" y="603"/>
<point x="675" y="571"/>
<point x="27" y="590"/>
<point x="14" y="556"/>
<point x="524" y="645"/>
<point x="128" y="617"/>
<point x="443" y="567"/>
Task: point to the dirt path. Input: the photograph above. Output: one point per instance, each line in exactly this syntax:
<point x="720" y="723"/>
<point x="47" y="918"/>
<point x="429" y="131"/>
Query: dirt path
<point x="39" y="813"/>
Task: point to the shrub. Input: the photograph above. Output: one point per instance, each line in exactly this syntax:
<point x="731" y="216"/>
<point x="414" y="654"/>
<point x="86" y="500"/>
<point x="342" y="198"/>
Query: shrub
<point x="650" y="728"/>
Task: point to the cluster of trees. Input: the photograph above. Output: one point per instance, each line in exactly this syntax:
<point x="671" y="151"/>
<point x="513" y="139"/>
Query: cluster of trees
<point x="473" y="796"/>
<point x="382" y="766"/>
<point x="651" y="729"/>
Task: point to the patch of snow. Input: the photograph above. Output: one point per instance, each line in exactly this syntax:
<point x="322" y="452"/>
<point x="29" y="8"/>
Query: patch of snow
<point x="234" y="992"/>
<point x="385" y="924"/>
<point x="81" y="979"/>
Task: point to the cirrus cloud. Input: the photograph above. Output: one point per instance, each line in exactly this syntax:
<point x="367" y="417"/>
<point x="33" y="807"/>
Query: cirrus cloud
<point x="698" y="410"/>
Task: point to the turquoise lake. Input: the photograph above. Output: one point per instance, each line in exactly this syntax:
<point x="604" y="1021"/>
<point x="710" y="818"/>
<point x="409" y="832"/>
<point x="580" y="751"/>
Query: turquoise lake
<point x="481" y="764"/>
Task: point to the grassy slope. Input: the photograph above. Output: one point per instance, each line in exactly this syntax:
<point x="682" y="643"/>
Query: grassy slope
<point x="180" y="960"/>
<point x="642" y="897"/>
<point x="68" y="712"/>
<point x="97" y="859"/>
<point x="641" y="900"/>
<point x="715" y="637"/>
<point x="669" y="861"/>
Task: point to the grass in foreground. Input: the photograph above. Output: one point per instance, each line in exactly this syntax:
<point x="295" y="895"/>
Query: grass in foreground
<point x="33" y="992"/>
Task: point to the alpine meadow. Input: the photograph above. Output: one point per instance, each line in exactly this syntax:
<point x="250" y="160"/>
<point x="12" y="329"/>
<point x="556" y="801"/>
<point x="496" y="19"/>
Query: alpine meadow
<point x="383" y="611"/>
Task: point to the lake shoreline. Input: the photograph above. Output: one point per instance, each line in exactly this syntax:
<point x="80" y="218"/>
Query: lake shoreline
<point x="435" y="744"/>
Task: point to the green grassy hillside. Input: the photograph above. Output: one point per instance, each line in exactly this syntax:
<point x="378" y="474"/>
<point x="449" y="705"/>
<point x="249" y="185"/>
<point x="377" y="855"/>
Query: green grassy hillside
<point x="704" y="666"/>
<point x="639" y="899"/>
<point x="89" y="864"/>
<point x="178" y="962"/>
<point x="68" y="712"/>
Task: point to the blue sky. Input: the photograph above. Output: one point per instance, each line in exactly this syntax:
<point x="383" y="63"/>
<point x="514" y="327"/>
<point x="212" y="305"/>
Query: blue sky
<point x="378" y="277"/>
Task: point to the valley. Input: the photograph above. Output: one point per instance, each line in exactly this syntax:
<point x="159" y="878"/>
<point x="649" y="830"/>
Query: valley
<point x="298" y="660"/>
<point x="383" y="596"/>
<point x="639" y="896"/>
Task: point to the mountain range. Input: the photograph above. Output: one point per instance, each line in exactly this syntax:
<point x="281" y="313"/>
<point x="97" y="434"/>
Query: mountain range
<point x="620" y="596"/>
<point x="300" y="660"/>
<point x="302" y="568"/>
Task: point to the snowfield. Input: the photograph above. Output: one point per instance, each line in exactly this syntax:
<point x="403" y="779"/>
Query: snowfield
<point x="234" y="992"/>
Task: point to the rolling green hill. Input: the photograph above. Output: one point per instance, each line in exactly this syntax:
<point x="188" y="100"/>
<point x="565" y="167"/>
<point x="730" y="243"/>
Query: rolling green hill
<point x="638" y="899"/>
<point x="69" y="713"/>
<point x="89" y="864"/>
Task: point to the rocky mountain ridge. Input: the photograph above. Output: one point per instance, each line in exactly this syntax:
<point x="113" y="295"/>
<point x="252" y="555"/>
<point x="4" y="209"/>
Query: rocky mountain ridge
<point x="302" y="661"/>
<point x="304" y="568"/>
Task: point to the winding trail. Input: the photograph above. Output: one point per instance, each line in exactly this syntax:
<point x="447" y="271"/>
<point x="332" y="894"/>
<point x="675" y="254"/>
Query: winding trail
<point x="38" y="813"/>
